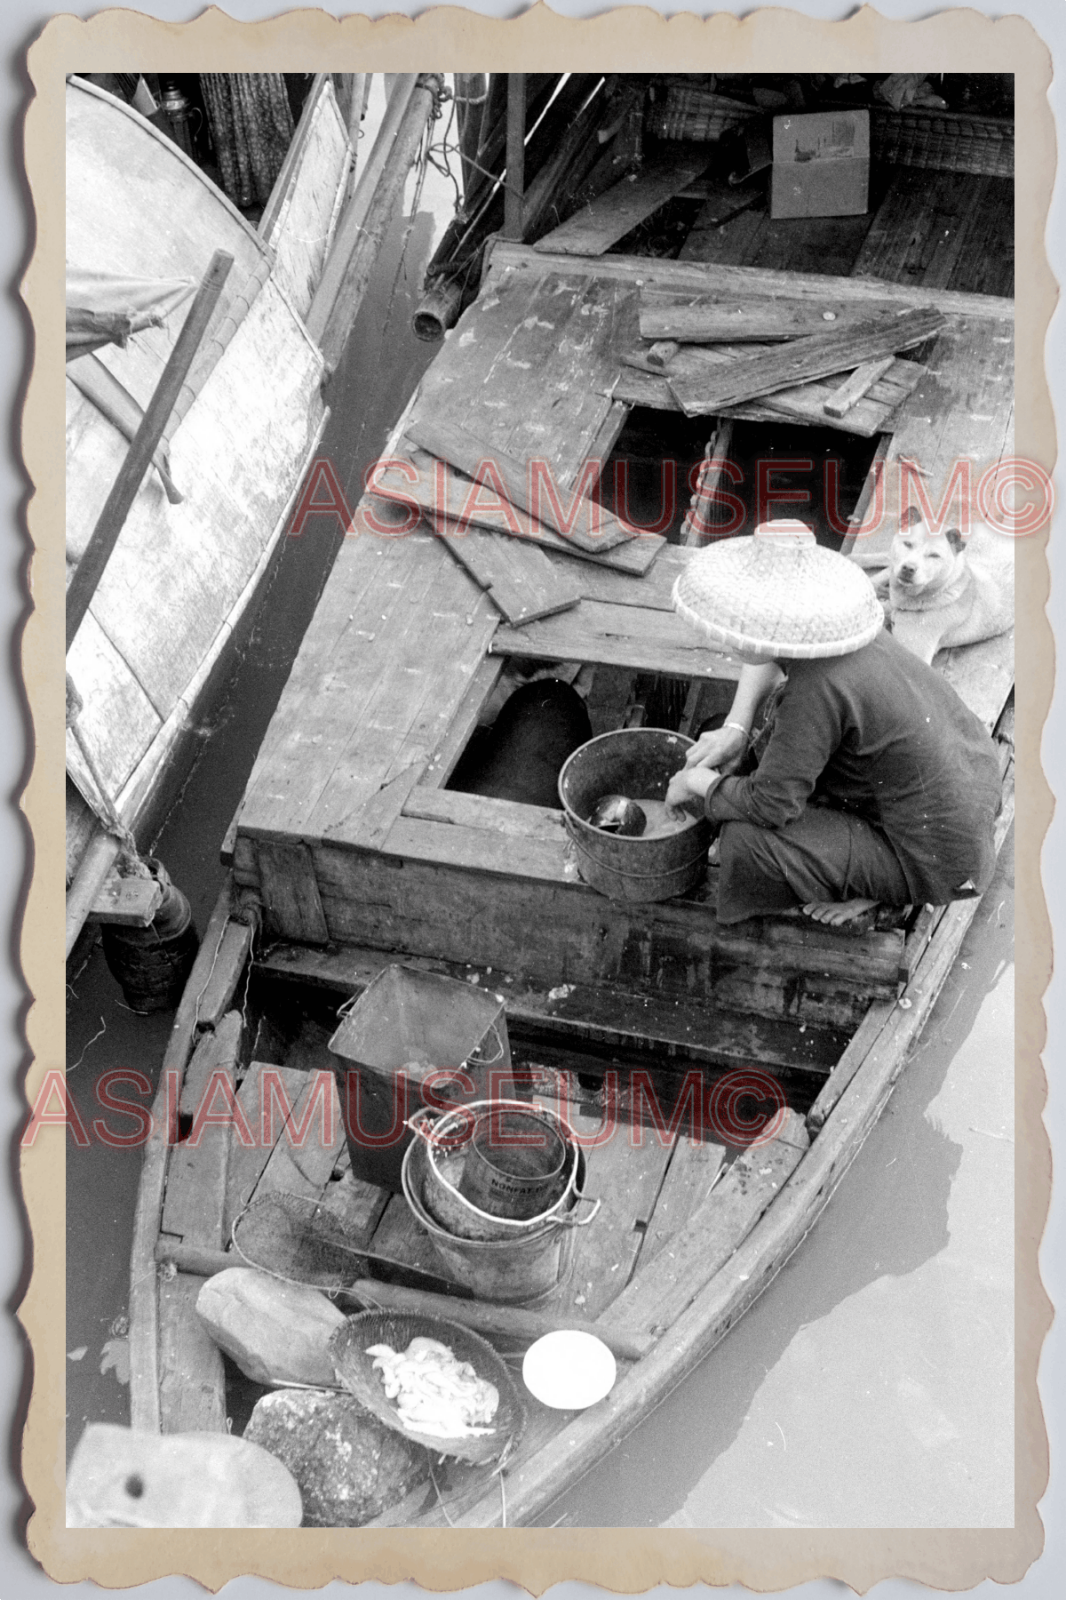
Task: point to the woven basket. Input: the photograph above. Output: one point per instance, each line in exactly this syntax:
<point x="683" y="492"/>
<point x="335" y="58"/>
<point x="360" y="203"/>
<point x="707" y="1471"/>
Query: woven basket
<point x="697" y="115"/>
<point x="355" y="1369"/>
<point x="944" y="141"/>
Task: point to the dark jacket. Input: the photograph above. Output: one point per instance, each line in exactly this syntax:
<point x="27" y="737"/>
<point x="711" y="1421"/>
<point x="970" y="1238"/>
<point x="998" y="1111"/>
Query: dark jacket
<point x="880" y="734"/>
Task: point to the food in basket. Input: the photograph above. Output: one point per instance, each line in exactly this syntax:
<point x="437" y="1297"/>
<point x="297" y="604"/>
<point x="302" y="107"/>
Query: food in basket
<point x="434" y="1392"/>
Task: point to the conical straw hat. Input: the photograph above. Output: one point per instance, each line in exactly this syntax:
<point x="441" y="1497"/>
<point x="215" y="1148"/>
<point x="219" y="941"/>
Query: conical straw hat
<point x="779" y="593"/>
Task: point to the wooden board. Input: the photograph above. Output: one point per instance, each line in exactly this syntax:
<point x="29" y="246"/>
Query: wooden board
<point x="583" y="522"/>
<point x="290" y="894"/>
<point x="526" y="367"/>
<point x="144" y="1341"/>
<point x="921" y="227"/>
<point x="304" y="1168"/>
<point x="644" y="638"/>
<point x="192" y="1383"/>
<point x="383" y="668"/>
<point x="246" y="1162"/>
<point x="799" y="403"/>
<point x="661" y="1292"/>
<point x="130" y="901"/>
<point x="228" y="970"/>
<point x="853" y="389"/>
<point x="215" y="1048"/>
<point x="476" y="811"/>
<point x="455" y="503"/>
<point x="803" y="360"/>
<point x="626" y="1177"/>
<point x="593" y="229"/>
<point x="518" y="577"/>
<point x="693" y="1171"/>
<point x="745" y="319"/>
<point x="196" y="1175"/>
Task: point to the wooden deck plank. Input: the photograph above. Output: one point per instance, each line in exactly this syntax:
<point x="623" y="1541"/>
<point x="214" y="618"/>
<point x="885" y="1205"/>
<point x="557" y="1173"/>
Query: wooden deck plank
<point x="652" y="589"/>
<point x="527" y="364"/>
<point x="519" y="578"/>
<point x="455" y="503"/>
<point x="584" y="522"/>
<point x="644" y="638"/>
<point x="986" y="266"/>
<point x="691" y="1175"/>
<point x="920" y="229"/>
<point x="227" y="973"/>
<point x="613" y="214"/>
<point x="246" y="1162"/>
<point x="483" y="681"/>
<point x="192" y="1384"/>
<point x="383" y="667"/>
<point x="626" y="1177"/>
<point x="475" y="811"/>
<point x="661" y="1292"/>
<point x="196" y="1173"/>
<point x="303" y="1169"/>
<point x="702" y="319"/>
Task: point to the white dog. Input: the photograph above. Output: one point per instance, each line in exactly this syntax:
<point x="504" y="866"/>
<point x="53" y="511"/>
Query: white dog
<point x="945" y="590"/>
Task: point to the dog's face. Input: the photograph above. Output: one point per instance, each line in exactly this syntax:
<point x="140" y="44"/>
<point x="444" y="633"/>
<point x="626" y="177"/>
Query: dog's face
<point x="921" y="561"/>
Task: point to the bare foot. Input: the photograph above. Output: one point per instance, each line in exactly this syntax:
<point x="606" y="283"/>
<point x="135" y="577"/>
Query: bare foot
<point x="837" y="913"/>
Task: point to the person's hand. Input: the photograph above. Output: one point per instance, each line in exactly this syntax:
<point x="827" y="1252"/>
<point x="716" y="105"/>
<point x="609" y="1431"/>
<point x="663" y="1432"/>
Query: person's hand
<point x="688" y="788"/>
<point x="721" y="748"/>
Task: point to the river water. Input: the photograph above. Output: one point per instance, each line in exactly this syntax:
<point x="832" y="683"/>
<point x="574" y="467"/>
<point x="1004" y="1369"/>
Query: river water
<point x="872" y="1385"/>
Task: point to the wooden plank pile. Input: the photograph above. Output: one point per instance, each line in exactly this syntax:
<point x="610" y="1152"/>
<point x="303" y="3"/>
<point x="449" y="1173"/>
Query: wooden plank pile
<point x="775" y="357"/>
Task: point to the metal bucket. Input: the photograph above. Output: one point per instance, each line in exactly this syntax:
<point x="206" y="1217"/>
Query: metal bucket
<point x="515" y="1166"/>
<point x="524" y="1267"/>
<point x="444" y="1150"/>
<point x="408" y="1031"/>
<point x="638" y="763"/>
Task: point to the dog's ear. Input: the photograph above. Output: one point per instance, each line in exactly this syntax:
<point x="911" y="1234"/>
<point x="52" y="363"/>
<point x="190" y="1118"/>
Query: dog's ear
<point x="955" y="539"/>
<point x="910" y="517"/>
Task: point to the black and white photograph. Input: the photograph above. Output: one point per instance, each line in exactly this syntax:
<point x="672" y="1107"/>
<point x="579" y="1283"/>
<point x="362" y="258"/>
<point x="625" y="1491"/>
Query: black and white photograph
<point x="539" y="561"/>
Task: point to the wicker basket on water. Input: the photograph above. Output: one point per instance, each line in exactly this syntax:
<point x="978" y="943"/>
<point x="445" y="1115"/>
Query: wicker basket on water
<point x="355" y="1369"/>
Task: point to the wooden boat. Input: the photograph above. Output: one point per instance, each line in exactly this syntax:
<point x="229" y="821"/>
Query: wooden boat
<point x="350" y="853"/>
<point x="197" y="545"/>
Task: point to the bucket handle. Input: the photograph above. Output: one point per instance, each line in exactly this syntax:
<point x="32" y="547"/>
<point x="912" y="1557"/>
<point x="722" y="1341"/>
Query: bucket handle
<point x="568" y="1220"/>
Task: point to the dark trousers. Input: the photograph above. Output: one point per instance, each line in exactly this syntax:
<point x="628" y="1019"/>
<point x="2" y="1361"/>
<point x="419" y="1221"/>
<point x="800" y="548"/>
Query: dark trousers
<point x="822" y="855"/>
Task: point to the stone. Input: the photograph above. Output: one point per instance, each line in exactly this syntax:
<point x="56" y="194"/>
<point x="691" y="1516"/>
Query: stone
<point x="276" y="1332"/>
<point x="348" y="1465"/>
<point x="119" y="1478"/>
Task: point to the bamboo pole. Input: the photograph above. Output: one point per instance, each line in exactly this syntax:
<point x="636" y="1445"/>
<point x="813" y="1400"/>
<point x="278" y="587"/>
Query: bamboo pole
<point x="146" y="440"/>
<point x="516" y="155"/>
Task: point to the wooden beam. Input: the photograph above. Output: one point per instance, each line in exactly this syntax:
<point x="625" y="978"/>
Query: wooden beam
<point x="117" y="506"/>
<point x="746" y="319"/>
<point x="593" y="229"/>
<point x="801" y="361"/>
<point x="721" y="278"/>
<point x="853" y="388"/>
